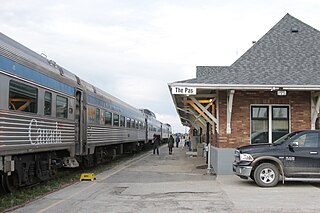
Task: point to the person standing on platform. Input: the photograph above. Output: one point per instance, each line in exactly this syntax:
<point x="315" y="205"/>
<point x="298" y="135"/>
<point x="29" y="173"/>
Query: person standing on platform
<point x="170" y="144"/>
<point x="177" y="140"/>
<point x="156" y="143"/>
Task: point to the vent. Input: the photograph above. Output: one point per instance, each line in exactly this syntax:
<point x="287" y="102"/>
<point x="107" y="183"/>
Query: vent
<point x="294" y="29"/>
<point x="61" y="71"/>
<point x="78" y="80"/>
<point x="94" y="89"/>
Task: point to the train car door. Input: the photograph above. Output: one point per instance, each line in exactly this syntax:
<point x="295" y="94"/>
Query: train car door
<point x="79" y="122"/>
<point x="146" y="137"/>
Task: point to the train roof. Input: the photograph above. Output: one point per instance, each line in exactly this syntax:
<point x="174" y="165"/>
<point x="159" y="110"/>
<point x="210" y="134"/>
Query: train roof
<point x="23" y="55"/>
<point x="148" y="112"/>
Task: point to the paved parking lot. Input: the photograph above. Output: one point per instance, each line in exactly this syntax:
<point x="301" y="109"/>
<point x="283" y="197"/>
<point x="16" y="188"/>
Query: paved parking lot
<point x="175" y="183"/>
<point x="246" y="196"/>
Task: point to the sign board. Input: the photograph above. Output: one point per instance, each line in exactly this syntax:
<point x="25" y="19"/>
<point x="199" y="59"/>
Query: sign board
<point x="184" y="90"/>
<point x="281" y="92"/>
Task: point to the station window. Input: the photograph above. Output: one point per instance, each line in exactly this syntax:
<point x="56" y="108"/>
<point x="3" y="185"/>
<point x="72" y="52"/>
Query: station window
<point x="47" y="103"/>
<point x="268" y="123"/>
<point x="108" y="118"/>
<point x="62" y="107"/>
<point x="122" y="121"/>
<point x="128" y="122"/>
<point x="22" y="97"/>
<point x="280" y="121"/>
<point x="115" y="120"/>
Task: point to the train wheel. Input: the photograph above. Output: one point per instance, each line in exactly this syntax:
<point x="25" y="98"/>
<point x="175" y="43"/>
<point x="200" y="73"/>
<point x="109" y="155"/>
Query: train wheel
<point x="9" y="182"/>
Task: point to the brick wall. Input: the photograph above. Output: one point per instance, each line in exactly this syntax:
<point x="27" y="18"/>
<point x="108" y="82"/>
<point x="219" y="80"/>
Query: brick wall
<point x="300" y="117"/>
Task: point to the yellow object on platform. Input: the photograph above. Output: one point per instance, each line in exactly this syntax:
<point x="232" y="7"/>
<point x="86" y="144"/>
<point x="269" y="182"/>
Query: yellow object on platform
<point x="87" y="176"/>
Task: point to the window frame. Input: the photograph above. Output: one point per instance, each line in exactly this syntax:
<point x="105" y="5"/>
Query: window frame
<point x="44" y="103"/>
<point x="122" y="121"/>
<point x="128" y="122"/>
<point x="66" y="107"/>
<point x="34" y="99"/>
<point x="270" y="117"/>
<point x="115" y="122"/>
<point x="108" y="121"/>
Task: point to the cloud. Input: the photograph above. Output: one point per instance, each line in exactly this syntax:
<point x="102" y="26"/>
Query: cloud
<point x="133" y="48"/>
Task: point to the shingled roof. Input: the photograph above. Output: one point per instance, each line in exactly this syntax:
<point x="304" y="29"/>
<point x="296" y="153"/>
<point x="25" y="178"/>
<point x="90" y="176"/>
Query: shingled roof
<point x="208" y="70"/>
<point x="288" y="54"/>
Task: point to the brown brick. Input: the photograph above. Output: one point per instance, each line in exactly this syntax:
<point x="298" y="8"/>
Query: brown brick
<point x="300" y="115"/>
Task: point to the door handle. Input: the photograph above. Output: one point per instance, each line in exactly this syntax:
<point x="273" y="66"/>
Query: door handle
<point x="313" y="153"/>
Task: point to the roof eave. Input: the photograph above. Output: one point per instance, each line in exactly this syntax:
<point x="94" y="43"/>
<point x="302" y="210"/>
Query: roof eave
<point x="246" y="87"/>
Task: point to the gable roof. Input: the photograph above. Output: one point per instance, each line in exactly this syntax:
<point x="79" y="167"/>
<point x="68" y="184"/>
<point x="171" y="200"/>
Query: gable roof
<point x="288" y="54"/>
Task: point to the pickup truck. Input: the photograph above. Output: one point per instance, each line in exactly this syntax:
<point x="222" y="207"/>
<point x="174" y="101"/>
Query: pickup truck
<point x="293" y="157"/>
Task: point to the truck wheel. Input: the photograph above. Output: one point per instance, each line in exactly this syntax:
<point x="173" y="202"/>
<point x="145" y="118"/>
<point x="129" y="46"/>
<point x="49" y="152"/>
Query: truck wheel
<point x="252" y="176"/>
<point x="266" y="175"/>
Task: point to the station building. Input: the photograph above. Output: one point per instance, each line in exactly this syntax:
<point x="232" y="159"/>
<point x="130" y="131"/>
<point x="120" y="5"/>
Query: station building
<point x="272" y="89"/>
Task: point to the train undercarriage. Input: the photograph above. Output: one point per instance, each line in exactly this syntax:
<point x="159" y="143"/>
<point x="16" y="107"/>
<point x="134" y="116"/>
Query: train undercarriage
<point x="31" y="169"/>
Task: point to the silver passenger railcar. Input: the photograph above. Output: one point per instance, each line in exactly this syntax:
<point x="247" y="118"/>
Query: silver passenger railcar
<point x="37" y="123"/>
<point x="154" y="126"/>
<point x="50" y="118"/>
<point x="166" y="131"/>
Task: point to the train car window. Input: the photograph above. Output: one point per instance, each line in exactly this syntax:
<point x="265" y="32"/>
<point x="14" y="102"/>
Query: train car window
<point x="47" y="103"/>
<point x="22" y="97"/>
<point x="128" y="122"/>
<point x="132" y="123"/>
<point x="108" y="118"/>
<point x="115" y="120"/>
<point x="98" y="115"/>
<point x="137" y="125"/>
<point x="62" y="107"/>
<point x="122" y="121"/>
<point x="140" y="125"/>
<point x="91" y="114"/>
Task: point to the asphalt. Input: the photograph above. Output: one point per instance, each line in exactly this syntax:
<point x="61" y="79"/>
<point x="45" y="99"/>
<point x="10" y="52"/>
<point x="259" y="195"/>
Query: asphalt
<point x="175" y="183"/>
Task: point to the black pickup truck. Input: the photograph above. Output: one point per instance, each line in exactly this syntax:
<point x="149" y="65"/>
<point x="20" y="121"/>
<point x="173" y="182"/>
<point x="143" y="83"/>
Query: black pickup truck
<point x="293" y="157"/>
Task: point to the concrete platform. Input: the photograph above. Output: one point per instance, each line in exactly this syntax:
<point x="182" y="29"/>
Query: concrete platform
<point x="174" y="183"/>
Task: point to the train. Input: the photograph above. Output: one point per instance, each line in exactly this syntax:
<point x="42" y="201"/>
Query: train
<point x="50" y="118"/>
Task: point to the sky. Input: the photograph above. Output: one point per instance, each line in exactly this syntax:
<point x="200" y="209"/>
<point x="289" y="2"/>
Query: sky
<point x="132" y="49"/>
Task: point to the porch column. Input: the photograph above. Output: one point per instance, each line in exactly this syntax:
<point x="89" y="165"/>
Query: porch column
<point x="315" y="107"/>
<point x="229" y="110"/>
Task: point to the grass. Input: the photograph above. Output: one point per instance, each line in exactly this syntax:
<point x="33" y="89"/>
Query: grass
<point x="63" y="179"/>
<point x="30" y="193"/>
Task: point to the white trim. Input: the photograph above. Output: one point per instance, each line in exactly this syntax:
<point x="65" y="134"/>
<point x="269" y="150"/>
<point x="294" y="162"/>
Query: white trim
<point x="314" y="111"/>
<point x="247" y="87"/>
<point x="217" y="113"/>
<point x="230" y="95"/>
<point x="270" y="124"/>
